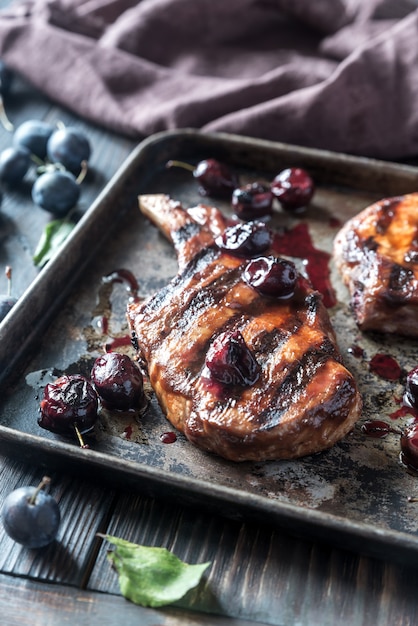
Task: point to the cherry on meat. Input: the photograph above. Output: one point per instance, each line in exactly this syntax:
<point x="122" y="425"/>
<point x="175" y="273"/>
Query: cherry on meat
<point x="69" y="405"/>
<point x="252" y="201"/>
<point x="118" y="381"/>
<point x="31" y="517"/>
<point x="294" y="188"/>
<point x="271" y="276"/>
<point x="245" y="240"/>
<point x="214" y="177"/>
<point x="230" y="361"/>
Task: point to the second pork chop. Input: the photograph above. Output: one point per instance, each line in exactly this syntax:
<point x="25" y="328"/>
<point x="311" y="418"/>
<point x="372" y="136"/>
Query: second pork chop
<point x="376" y="253"/>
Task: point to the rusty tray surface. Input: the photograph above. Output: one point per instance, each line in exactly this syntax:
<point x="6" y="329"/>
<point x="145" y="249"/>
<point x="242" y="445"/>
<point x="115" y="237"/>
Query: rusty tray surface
<point x="355" y="494"/>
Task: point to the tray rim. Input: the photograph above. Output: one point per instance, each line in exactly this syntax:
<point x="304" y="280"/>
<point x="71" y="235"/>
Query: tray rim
<point x="300" y="521"/>
<point x="361" y="537"/>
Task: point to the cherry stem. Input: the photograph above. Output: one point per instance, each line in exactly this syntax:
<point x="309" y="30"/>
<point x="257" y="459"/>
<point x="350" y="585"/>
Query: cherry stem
<point x="183" y="164"/>
<point x="45" y="481"/>
<point x="83" y="172"/>
<point x="8" y="272"/>
<point x="83" y="445"/>
<point x="6" y="123"/>
<point x="39" y="162"/>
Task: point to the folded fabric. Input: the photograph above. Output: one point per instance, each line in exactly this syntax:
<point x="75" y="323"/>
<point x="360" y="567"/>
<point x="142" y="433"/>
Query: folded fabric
<point x="334" y="74"/>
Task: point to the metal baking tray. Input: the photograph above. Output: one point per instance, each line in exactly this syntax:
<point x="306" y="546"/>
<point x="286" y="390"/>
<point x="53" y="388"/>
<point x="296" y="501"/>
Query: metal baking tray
<point x="354" y="495"/>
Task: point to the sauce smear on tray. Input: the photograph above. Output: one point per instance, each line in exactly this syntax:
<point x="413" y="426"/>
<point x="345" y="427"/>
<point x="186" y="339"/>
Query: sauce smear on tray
<point x="316" y="261"/>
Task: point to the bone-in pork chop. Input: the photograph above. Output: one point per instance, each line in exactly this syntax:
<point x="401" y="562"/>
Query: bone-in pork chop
<point x="292" y="397"/>
<point x="376" y="253"/>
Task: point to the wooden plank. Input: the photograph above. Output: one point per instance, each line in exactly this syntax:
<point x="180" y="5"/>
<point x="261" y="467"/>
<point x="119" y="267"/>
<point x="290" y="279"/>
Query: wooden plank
<point x="38" y="604"/>
<point x="263" y="574"/>
<point x="85" y="509"/>
<point x="255" y="573"/>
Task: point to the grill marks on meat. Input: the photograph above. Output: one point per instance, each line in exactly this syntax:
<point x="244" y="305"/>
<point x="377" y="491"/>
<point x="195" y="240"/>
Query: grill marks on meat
<point x="304" y="399"/>
<point x="376" y="253"/>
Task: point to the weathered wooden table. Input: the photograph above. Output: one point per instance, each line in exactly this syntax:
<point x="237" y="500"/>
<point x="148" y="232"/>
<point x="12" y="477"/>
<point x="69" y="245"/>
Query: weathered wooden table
<point x="258" y="573"/>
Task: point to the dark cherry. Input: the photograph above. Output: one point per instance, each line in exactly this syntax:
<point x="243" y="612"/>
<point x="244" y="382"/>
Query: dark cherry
<point x="214" y="178"/>
<point x="252" y="201"/>
<point x="272" y="276"/>
<point x="246" y="239"/>
<point x="230" y="361"/>
<point x="69" y="404"/>
<point x="410" y="397"/>
<point x="293" y="187"/>
<point x="118" y="381"/>
<point x="409" y="447"/>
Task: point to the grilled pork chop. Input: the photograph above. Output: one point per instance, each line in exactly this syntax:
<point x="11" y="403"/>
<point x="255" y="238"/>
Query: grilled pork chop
<point x="303" y="400"/>
<point x="376" y="253"/>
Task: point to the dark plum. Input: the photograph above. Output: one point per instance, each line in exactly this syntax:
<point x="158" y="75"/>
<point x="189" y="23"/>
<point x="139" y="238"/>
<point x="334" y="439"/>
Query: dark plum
<point x="252" y="201"/>
<point x="70" y="147"/>
<point x="294" y="188"/>
<point x="56" y="192"/>
<point x="118" y="381"/>
<point x="409" y="447"/>
<point x="215" y="178"/>
<point x="31" y="517"/>
<point x="33" y="135"/>
<point x="271" y="276"/>
<point x="411" y="388"/>
<point x="69" y="405"/>
<point x="7" y="301"/>
<point x="246" y="239"/>
<point x="14" y="164"/>
<point x="6" y="305"/>
<point x="230" y="361"/>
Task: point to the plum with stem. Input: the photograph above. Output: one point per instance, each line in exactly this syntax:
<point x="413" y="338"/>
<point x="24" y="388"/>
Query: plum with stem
<point x="30" y="516"/>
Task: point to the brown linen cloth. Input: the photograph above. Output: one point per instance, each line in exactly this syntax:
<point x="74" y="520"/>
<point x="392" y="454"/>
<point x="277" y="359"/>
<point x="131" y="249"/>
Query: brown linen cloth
<point x="334" y="74"/>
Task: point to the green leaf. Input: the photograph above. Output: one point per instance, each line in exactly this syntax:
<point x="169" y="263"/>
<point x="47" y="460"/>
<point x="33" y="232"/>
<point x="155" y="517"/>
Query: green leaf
<point x="52" y="238"/>
<point x="152" y="576"/>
